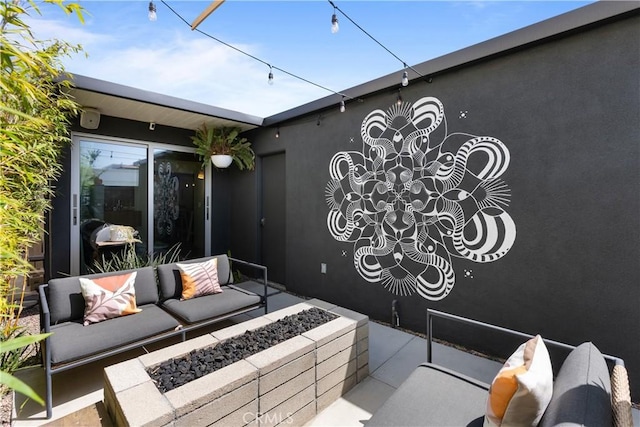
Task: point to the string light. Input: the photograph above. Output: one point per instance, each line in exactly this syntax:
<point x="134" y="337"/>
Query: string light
<point x="334" y="20"/>
<point x="405" y="75"/>
<point x="153" y="16"/>
<point x="270" y="80"/>
<point x="278" y="132"/>
<point x="342" y="106"/>
<point x="399" y="98"/>
<point x="271" y="67"/>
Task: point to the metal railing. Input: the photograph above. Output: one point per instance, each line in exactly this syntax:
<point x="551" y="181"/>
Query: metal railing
<point x="431" y="314"/>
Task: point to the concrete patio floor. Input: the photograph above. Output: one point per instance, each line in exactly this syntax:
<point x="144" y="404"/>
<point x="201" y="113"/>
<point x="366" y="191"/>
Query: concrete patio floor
<point x="393" y="354"/>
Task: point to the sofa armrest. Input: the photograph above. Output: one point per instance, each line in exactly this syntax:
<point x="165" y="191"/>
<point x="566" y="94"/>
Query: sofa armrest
<point x="621" y="397"/>
<point x="45" y="316"/>
<point x="255" y="266"/>
<point x="431" y="314"/>
<point x="45" y="327"/>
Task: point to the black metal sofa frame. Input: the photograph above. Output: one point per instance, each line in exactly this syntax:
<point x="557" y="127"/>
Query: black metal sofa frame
<point x="163" y="315"/>
<point x="585" y="392"/>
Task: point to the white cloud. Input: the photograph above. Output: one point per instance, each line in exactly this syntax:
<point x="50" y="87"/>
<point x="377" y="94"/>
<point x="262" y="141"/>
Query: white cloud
<point x="197" y="69"/>
<point x="54" y="29"/>
<point x="189" y="67"/>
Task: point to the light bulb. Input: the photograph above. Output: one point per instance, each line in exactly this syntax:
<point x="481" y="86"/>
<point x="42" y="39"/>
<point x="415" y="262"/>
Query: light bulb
<point x="270" y="81"/>
<point x="405" y="79"/>
<point x="342" y="106"/>
<point x="399" y="99"/>
<point x="278" y="133"/>
<point x="152" y="12"/>
<point x="334" y="24"/>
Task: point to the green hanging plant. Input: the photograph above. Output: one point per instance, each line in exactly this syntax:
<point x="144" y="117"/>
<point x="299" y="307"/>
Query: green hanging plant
<point x="224" y="140"/>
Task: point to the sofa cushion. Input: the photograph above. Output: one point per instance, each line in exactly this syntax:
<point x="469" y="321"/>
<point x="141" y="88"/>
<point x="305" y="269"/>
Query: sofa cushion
<point x="108" y="297"/>
<point x="434" y="396"/>
<point x="72" y="340"/>
<point x="211" y="306"/>
<point x="170" y="282"/>
<point x="67" y="304"/>
<point x="199" y="278"/>
<point x="582" y="390"/>
<point x="522" y="389"/>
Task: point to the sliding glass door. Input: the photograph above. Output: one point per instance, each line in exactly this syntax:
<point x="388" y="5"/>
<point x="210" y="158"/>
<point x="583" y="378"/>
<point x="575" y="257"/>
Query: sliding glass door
<point x="178" y="203"/>
<point x="162" y="206"/>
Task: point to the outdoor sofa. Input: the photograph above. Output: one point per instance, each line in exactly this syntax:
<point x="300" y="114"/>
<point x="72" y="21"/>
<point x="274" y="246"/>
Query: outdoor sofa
<point x="585" y="392"/>
<point x="162" y="314"/>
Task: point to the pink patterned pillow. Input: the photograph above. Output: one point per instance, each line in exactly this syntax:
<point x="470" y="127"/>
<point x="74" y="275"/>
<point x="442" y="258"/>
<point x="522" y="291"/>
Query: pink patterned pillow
<point x="199" y="279"/>
<point x="108" y="297"/>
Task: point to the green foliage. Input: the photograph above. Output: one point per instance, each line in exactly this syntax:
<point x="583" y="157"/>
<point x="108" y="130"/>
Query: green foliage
<point x="35" y="109"/>
<point x="224" y="140"/>
<point x="12" y="356"/>
<point x="12" y="352"/>
<point x="129" y="260"/>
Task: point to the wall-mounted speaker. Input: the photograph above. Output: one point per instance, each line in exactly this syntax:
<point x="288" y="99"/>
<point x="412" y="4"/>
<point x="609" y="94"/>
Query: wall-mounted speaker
<point x="90" y="118"/>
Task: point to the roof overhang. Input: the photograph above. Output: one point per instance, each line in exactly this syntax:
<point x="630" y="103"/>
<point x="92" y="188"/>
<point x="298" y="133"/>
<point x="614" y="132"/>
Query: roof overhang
<point x="126" y="102"/>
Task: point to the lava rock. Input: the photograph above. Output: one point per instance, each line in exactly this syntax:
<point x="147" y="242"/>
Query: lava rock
<point x="174" y="373"/>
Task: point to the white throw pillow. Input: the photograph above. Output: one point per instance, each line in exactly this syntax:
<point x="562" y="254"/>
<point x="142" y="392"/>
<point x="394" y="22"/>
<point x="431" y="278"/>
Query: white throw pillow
<point x="522" y="390"/>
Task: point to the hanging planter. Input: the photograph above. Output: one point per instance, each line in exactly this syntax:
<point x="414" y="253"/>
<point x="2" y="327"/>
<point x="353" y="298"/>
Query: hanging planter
<point x="224" y="147"/>
<point x="221" y="160"/>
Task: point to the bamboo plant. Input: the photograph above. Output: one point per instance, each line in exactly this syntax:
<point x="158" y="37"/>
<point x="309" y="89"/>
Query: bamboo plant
<point x="35" y="110"/>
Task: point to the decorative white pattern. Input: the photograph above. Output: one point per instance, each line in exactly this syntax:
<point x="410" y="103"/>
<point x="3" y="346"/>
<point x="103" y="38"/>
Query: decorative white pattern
<point x="166" y="200"/>
<point x="416" y="196"/>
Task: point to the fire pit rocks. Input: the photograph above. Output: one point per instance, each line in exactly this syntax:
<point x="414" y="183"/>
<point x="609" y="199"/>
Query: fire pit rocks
<point x="287" y="383"/>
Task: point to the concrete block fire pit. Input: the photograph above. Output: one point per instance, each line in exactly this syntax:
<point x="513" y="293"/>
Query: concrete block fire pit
<point x="288" y="383"/>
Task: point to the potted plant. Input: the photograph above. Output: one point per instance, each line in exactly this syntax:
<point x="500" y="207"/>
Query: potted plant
<point x="223" y="146"/>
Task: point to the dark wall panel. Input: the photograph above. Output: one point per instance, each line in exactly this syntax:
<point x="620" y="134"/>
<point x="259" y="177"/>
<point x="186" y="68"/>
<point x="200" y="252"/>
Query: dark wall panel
<point x="220" y="212"/>
<point x="57" y="243"/>
<point x="568" y="111"/>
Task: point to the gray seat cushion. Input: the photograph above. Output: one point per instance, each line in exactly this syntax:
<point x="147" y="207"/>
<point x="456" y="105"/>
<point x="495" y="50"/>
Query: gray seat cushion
<point x="71" y="340"/>
<point x="581" y="391"/>
<point x="434" y="396"/>
<point x="195" y="310"/>
<point x="66" y="303"/>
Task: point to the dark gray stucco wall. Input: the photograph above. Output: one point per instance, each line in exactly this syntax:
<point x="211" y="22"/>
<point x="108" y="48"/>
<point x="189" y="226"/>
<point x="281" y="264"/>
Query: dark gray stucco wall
<point x="568" y="110"/>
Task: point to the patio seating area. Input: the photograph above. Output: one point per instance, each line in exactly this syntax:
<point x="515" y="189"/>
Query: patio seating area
<point x="393" y="355"/>
<point x="497" y="182"/>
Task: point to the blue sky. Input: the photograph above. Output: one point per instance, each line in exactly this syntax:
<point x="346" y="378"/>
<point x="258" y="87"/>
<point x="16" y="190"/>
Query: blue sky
<point x="165" y="56"/>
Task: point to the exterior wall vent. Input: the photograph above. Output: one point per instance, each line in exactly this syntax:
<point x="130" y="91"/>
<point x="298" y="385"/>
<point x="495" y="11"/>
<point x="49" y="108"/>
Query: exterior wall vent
<point x="90" y="118"/>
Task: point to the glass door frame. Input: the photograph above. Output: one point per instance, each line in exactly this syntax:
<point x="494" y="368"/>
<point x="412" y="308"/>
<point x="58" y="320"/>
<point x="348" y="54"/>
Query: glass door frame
<point x="150" y="147"/>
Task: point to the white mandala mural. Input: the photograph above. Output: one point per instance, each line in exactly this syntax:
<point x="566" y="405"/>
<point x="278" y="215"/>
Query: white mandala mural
<point x="416" y="197"/>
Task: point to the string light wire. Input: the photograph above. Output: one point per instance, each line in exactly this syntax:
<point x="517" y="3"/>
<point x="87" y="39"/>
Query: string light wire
<point x="404" y="64"/>
<point x="255" y="57"/>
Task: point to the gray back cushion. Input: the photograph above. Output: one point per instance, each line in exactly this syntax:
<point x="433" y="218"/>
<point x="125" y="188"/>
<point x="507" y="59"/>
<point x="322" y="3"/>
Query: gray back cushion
<point x="170" y="282"/>
<point x="65" y="296"/>
<point x="582" y="391"/>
